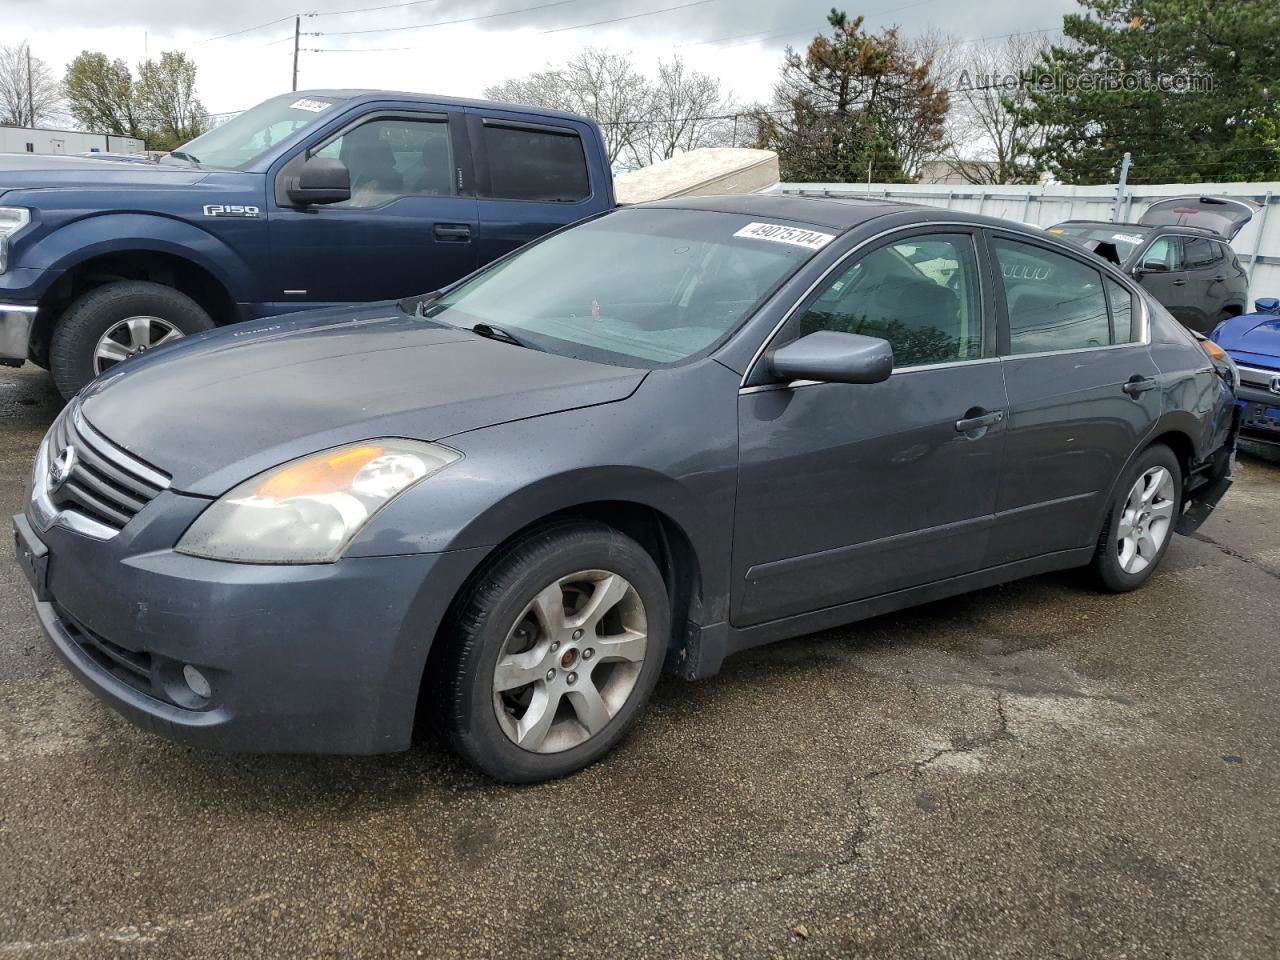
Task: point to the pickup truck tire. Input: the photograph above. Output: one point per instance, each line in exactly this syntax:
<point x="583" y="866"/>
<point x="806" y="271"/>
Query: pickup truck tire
<point x="83" y="325"/>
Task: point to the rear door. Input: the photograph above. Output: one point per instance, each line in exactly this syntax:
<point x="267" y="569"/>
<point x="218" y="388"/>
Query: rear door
<point x="1083" y="391"/>
<point x="1207" y="290"/>
<point x="532" y="177"/>
<point x="409" y="227"/>
<point x="849" y="491"/>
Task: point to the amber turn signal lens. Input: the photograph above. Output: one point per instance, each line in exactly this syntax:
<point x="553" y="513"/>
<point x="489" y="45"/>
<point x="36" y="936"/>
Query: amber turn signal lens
<point x="1213" y="350"/>
<point x="327" y="473"/>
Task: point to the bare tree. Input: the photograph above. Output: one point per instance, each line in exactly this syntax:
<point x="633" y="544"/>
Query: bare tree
<point x="29" y="93"/>
<point x="602" y="85"/>
<point x="992" y="140"/>
<point x="685" y="110"/>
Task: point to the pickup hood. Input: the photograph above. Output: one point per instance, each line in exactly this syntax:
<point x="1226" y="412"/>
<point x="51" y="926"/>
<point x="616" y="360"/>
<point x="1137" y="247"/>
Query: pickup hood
<point x="216" y="409"/>
<point x="1252" y="338"/>
<point x="21" y="171"/>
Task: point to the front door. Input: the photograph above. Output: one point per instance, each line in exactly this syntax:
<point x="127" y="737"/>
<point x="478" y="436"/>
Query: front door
<point x="1168" y="280"/>
<point x="405" y="230"/>
<point x="1083" y="391"/>
<point x="849" y="491"/>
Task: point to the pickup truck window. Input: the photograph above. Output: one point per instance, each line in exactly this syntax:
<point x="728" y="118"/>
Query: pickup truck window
<point x="242" y="139"/>
<point x="395" y="157"/>
<point x="527" y="164"/>
<point x="639" y="288"/>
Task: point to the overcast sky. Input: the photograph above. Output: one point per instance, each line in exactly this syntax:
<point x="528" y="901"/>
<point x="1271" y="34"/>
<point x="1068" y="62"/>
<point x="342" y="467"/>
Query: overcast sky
<point x="462" y="58"/>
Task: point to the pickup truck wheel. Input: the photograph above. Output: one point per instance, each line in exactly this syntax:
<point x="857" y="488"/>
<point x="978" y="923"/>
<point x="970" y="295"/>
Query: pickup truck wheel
<point x="112" y="323"/>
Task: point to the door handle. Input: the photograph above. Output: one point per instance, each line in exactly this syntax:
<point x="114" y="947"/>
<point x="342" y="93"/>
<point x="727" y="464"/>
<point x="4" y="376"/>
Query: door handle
<point x="1138" y="384"/>
<point x="452" y="232"/>
<point x="978" y="419"/>
<point x="1179" y="281"/>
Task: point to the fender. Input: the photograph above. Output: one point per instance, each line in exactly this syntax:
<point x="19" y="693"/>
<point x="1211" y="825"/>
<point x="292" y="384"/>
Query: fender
<point x="68" y="246"/>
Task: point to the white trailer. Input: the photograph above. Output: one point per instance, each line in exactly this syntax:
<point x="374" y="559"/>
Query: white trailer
<point x="65" y="142"/>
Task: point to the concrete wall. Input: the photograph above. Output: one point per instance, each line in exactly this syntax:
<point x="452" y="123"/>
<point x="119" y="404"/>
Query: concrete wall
<point x="1257" y="246"/>
<point x="67" y="142"/>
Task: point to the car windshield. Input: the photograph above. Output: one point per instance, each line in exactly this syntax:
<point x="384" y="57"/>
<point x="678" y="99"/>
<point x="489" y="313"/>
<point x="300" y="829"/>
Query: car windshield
<point x="1126" y="238"/>
<point x="242" y="139"/>
<point x="637" y="287"/>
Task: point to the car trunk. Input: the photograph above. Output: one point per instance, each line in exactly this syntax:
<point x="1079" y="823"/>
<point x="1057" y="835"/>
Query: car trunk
<point x="1225" y="216"/>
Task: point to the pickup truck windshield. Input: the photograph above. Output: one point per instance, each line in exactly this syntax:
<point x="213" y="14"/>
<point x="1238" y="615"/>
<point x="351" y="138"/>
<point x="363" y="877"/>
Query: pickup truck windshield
<point x="638" y="287"/>
<point x="244" y="138"/>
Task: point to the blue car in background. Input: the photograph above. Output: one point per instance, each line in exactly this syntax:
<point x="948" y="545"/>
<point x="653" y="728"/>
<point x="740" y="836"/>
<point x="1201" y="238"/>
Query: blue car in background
<point x="1253" y="342"/>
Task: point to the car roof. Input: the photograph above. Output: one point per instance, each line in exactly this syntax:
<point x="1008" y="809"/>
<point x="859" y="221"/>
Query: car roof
<point x="835" y="213"/>
<point x="431" y="98"/>
<point x="1145" y="228"/>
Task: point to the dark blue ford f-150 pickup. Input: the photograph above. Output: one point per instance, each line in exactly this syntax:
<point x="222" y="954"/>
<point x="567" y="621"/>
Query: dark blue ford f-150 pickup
<point x="314" y="198"/>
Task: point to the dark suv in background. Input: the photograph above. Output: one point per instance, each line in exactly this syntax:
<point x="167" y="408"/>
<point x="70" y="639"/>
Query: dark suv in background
<point x="1180" y="251"/>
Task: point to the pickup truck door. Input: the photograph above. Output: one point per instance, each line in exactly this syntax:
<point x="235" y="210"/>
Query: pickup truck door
<point x="409" y="227"/>
<point x="532" y="176"/>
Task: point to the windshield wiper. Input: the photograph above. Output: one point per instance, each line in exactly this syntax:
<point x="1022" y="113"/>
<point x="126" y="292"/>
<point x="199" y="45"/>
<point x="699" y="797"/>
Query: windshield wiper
<point x="489" y="331"/>
<point x="184" y="156"/>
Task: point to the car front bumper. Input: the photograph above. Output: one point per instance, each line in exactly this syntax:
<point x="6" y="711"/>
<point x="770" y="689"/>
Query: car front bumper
<point x="16" y="321"/>
<point x="1259" y="414"/>
<point x="323" y="658"/>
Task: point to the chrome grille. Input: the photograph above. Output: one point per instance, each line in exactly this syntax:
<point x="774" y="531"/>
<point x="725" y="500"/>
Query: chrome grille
<point x="105" y="483"/>
<point x="1257" y="376"/>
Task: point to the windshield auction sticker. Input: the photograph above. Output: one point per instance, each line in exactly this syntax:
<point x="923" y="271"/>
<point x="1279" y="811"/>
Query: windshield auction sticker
<point x="311" y="106"/>
<point x="780" y="234"/>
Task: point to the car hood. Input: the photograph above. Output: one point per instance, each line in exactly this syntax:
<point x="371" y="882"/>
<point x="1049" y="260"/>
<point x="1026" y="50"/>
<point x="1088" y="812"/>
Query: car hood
<point x="214" y="410"/>
<point x="1252" y="338"/>
<point x="19" y="171"/>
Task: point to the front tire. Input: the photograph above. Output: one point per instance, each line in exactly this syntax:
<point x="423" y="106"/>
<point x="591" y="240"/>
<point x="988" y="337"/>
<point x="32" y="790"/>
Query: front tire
<point x="112" y="323"/>
<point x="1139" y="526"/>
<point x="555" y="653"/>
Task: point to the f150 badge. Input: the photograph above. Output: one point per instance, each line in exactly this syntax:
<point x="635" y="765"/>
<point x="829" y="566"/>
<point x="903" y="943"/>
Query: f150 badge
<point x="229" y="210"/>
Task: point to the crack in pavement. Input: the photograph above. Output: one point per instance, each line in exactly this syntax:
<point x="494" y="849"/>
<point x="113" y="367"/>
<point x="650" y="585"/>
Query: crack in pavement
<point x="969" y="744"/>
<point x="1236" y="554"/>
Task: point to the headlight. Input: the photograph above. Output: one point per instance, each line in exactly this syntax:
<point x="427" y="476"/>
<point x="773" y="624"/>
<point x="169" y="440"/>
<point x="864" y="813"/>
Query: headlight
<point x="307" y="511"/>
<point x="12" y="219"/>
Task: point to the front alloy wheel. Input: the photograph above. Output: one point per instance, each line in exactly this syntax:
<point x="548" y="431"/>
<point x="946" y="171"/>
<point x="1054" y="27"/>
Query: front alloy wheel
<point x="130" y="337"/>
<point x="570" y="661"/>
<point x="552" y="654"/>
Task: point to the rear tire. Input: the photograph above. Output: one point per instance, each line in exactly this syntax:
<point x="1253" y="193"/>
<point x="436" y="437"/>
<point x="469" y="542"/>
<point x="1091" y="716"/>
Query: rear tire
<point x="1139" y="525"/>
<point x="554" y="654"/>
<point x="83" y="326"/>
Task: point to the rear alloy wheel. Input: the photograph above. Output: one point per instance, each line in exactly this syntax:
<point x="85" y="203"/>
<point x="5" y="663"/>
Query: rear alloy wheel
<point x="1139" y="526"/>
<point x="1146" y="520"/>
<point x="554" y="653"/>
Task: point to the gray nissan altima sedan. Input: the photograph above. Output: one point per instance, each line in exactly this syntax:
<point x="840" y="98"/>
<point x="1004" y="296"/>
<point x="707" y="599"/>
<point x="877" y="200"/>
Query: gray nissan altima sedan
<point x="648" y="441"/>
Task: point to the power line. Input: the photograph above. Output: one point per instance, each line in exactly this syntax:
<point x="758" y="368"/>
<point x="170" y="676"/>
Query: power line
<point x="632" y="16"/>
<point x="442" y="23"/>
<point x="236" y="33"/>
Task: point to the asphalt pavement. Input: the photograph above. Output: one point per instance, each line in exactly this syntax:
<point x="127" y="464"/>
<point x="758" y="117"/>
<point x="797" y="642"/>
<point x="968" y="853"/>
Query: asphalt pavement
<point x="1036" y="770"/>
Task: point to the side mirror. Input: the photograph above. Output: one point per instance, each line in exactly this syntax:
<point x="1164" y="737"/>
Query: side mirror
<point x="1152" y="266"/>
<point x="321" y="180"/>
<point x="1267" y="305"/>
<point x="833" y="358"/>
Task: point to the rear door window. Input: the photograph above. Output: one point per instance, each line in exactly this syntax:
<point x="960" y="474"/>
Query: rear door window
<point x="1054" y="302"/>
<point x="1123" y="312"/>
<point x="534" y="164"/>
<point x="1200" y="253"/>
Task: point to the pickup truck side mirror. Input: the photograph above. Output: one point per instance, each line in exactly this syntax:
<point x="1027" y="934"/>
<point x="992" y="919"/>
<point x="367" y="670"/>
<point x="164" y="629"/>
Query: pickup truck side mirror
<point x="1151" y="266"/>
<point x="833" y="357"/>
<point x="321" y="180"/>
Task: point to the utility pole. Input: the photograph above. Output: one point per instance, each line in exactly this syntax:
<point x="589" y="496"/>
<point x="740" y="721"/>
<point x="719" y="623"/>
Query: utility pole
<point x="1124" y="178"/>
<point x="297" y="34"/>
<point x="31" y="99"/>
